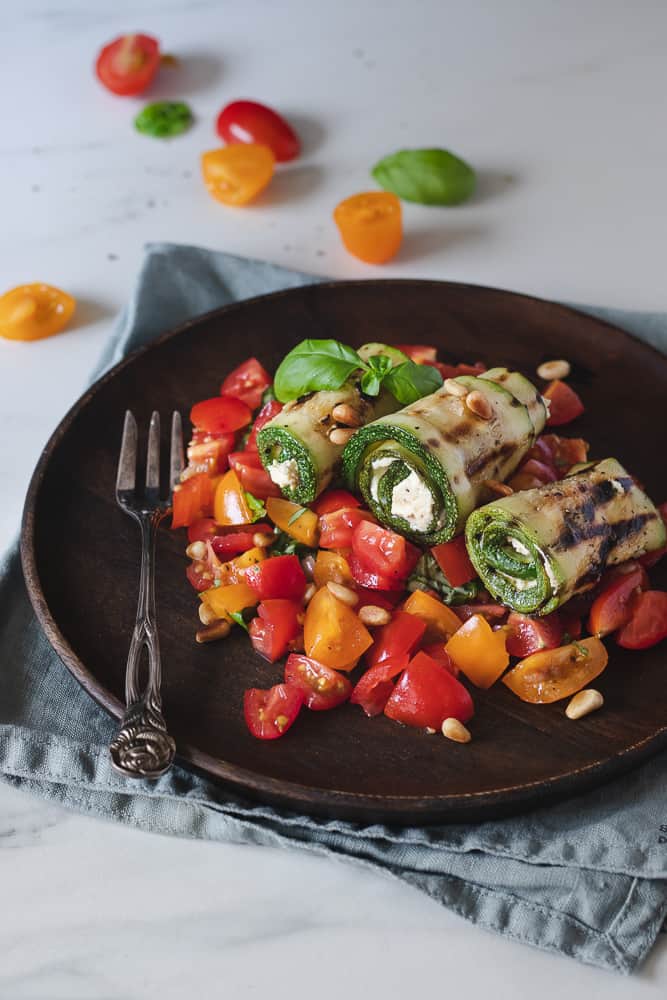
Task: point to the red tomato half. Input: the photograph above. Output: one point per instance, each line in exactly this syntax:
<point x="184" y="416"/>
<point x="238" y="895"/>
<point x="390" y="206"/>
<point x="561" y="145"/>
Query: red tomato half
<point x="437" y="652"/>
<point x="396" y="640"/>
<point x="494" y="613"/>
<point x="337" y="528"/>
<point x="269" y="714"/>
<point x="526" y="635"/>
<point x="247" y="383"/>
<point x="277" y="577"/>
<point x="565" y="404"/>
<point x="233" y="543"/>
<point x="202" y="530"/>
<point x="333" y="500"/>
<point x="321" y="687"/>
<point x="454" y="561"/>
<point x="426" y="694"/>
<point x="648" y="621"/>
<point x="208" y="452"/>
<point x="248" y="121"/>
<point x="268" y="412"/>
<point x="611" y="608"/>
<point x="220" y="415"/>
<point x="127" y="65"/>
<point x="274" y="629"/>
<point x="381" y="558"/>
<point x="253" y="475"/>
<point x="373" y="689"/>
<point x="421" y="354"/>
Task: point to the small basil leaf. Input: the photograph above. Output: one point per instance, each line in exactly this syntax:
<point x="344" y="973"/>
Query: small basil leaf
<point x="380" y="363"/>
<point x="428" y="176"/>
<point x="314" y="365"/>
<point x="162" y="119"/>
<point x="237" y="616"/>
<point x="257" y="508"/>
<point x="409" y="381"/>
<point x="371" y="383"/>
<point x="297" y="514"/>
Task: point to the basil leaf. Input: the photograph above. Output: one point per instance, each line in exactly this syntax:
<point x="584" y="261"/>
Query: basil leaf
<point x="237" y="616"/>
<point x="428" y="176"/>
<point x="162" y="119"/>
<point x="371" y="383"/>
<point x="285" y="545"/>
<point x="427" y="575"/>
<point x="257" y="508"/>
<point x="409" y="381"/>
<point x="314" y="365"/>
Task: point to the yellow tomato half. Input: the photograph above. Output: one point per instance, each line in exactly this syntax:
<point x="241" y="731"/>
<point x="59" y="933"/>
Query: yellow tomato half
<point x="32" y="312"/>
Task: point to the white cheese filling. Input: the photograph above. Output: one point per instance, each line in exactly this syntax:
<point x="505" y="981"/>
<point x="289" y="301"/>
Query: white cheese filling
<point x="519" y="547"/>
<point x="412" y="500"/>
<point x="284" y="474"/>
<point x="377" y="469"/>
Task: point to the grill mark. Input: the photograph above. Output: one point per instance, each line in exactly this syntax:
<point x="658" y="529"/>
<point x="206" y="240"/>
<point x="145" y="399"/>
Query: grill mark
<point x="486" y="458"/>
<point x="457" y="433"/>
<point x="611" y="534"/>
<point x="432" y="442"/>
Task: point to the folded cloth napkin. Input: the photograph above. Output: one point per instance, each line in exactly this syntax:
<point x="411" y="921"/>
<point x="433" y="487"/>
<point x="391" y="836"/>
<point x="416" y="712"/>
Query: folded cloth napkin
<point x="586" y="878"/>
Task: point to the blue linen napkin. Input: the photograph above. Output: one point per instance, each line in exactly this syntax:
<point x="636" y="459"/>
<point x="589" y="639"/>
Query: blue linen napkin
<point x="586" y="878"/>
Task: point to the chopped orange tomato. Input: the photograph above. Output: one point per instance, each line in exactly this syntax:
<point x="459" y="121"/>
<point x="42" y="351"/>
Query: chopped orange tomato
<point x="228" y="600"/>
<point x="330" y="566"/>
<point x="553" y="674"/>
<point x="31" y="312"/>
<point x="297" y="521"/>
<point x="233" y="571"/>
<point x="370" y="225"/>
<point x="441" y="622"/>
<point x="229" y="503"/>
<point x="236" y="174"/>
<point x="333" y="634"/>
<point x="192" y="500"/>
<point x="479" y="652"/>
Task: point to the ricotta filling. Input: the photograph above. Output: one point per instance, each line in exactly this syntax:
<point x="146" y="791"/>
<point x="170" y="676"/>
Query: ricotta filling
<point x="412" y="500"/>
<point x="377" y="470"/>
<point x="285" y="474"/>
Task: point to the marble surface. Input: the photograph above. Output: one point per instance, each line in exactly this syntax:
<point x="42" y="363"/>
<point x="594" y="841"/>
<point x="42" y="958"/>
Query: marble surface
<point x="561" y="108"/>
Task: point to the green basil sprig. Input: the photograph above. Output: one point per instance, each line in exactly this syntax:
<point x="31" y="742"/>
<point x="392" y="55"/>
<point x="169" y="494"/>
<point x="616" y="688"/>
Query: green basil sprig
<point x="163" y="119"/>
<point x="427" y="176"/>
<point x="409" y="382"/>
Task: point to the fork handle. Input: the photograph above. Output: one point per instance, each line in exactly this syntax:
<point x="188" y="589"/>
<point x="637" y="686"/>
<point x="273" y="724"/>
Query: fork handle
<point x="142" y="747"/>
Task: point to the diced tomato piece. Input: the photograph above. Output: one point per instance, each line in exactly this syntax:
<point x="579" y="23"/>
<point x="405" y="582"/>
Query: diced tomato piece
<point x="611" y="608"/>
<point x="387" y="599"/>
<point x="208" y="452"/>
<point x="220" y="415"/>
<point x="253" y="475"/>
<point x="542" y="471"/>
<point x="233" y="543"/>
<point x="398" y="639"/>
<point x="494" y="613"/>
<point x="563" y="452"/>
<point x="277" y="577"/>
<point x="275" y="627"/>
<point x="527" y="634"/>
<point x="648" y="621"/>
<point x="572" y="624"/>
<point x="202" y="530"/>
<point x="199" y="576"/>
<point x="479" y="651"/>
<point x="437" y="652"/>
<point x="421" y="354"/>
<point x="337" y="527"/>
<point x="332" y="500"/>
<point x="192" y="500"/>
<point x="373" y="689"/>
<point x="321" y="686"/>
<point x="440" y="620"/>
<point x="451" y="371"/>
<point x="426" y="694"/>
<point x="248" y="383"/>
<point x="564" y="403"/>
<point x="269" y="714"/>
<point x="294" y="519"/>
<point x="454" y="561"/>
<point x="270" y="410"/>
<point x="381" y="558"/>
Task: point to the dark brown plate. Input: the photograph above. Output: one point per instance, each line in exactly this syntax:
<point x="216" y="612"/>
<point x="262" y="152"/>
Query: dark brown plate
<point x="80" y="556"/>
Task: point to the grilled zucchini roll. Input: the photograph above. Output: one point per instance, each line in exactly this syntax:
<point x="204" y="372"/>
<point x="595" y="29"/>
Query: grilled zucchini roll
<point x="536" y="549"/>
<point x="423" y="470"/>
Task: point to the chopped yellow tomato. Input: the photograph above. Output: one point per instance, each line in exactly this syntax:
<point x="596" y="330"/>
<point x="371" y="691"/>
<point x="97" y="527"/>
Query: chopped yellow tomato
<point x="552" y="674"/>
<point x="478" y="651"/>
<point x="234" y="570"/>
<point x="295" y="520"/>
<point x="333" y="634"/>
<point x="441" y="622"/>
<point x="229" y="503"/>
<point x="330" y="566"/>
<point x="370" y="225"/>
<point x="227" y="600"/>
<point x="236" y="174"/>
<point x="31" y="312"/>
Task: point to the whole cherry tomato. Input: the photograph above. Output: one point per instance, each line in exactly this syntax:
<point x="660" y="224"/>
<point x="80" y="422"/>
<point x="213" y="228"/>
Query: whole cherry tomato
<point x="370" y="225"/>
<point x="248" y="121"/>
<point x="128" y="65"/>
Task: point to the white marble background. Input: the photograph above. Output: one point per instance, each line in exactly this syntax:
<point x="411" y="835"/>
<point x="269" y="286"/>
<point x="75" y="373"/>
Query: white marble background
<point x="560" y="106"/>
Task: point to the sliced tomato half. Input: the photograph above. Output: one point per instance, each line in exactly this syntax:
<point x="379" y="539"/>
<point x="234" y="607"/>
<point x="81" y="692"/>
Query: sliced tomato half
<point x="269" y="714"/>
<point x="564" y="403"/>
<point x="527" y="634"/>
<point x="322" y="687"/>
<point x="373" y="690"/>
<point x="426" y="694"/>
<point x="128" y="65"/>
<point x="648" y="621"/>
<point x="248" y="383"/>
<point x="220" y="415"/>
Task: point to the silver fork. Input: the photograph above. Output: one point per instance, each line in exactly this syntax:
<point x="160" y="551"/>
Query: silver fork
<point x="142" y="747"/>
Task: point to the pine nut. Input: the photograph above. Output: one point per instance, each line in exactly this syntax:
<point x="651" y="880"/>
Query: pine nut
<point x="343" y="413"/>
<point x="500" y="489"/>
<point x="455" y="388"/>
<point x="479" y="404"/>
<point x="219" y="630"/>
<point x="430" y="732"/>
<point x="583" y="703"/>
<point x="197" y="550"/>
<point x="262" y="539"/>
<point x="207" y="615"/>
<point x="308" y="566"/>
<point x="372" y="615"/>
<point x="343" y="594"/>
<point x="309" y="593"/>
<point x="550" y="370"/>
<point x="452" y="729"/>
<point x="341" y="435"/>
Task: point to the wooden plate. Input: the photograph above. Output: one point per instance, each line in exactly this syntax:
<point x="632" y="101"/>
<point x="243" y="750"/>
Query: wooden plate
<point x="80" y="555"/>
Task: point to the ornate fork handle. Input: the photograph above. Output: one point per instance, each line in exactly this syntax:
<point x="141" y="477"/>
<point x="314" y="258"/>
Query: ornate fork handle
<point x="142" y="747"/>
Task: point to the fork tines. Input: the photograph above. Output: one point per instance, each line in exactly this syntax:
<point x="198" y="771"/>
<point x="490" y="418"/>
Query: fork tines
<point x="127" y="463"/>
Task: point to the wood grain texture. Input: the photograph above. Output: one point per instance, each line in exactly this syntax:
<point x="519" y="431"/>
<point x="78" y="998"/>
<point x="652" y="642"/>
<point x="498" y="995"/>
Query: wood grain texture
<point x="80" y="557"/>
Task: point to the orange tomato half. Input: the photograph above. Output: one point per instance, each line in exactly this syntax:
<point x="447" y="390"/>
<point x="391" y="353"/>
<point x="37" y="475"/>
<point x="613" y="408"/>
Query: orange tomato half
<point x="236" y="174"/>
<point x="370" y="225"/>
<point x="553" y="674"/>
<point x="31" y="312"/>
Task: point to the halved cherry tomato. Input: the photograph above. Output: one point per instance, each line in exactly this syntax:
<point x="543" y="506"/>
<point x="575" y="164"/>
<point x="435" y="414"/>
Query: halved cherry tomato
<point x="236" y="174"/>
<point x="247" y="383"/>
<point x="229" y="599"/>
<point x="553" y="674"/>
<point x="230" y="505"/>
<point x="440" y="621"/>
<point x="268" y="412"/>
<point x="370" y="225"/>
<point x="269" y="714"/>
<point x="330" y="566"/>
<point x="220" y="415"/>
<point x="564" y="402"/>
<point x="648" y="622"/>
<point x="233" y="543"/>
<point x="396" y="640"/>
<point x="526" y="634"/>
<point x="32" y="312"/>
<point x="208" y="452"/>
<point x="381" y="558"/>
<point x="252" y="474"/>
<point x="337" y="527"/>
<point x="421" y="354"/>
<point x="295" y="520"/>
<point x="333" y="500"/>
<point x="479" y="651"/>
<point x="611" y="608"/>
<point x="275" y="627"/>
<point x="322" y="688"/>
<point x="454" y="561"/>
<point x="426" y="694"/>
<point x="248" y="121"/>
<point x="438" y="652"/>
<point x="333" y="634"/>
<point x="192" y="500"/>
<point x="373" y="689"/>
<point x="279" y="576"/>
<point x="128" y="65"/>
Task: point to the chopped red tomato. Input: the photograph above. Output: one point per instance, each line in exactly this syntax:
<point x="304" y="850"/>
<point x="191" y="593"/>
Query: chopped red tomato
<point x="275" y="627"/>
<point x="381" y="558"/>
<point x="268" y="412"/>
<point x="387" y="599"/>
<point x="269" y="714"/>
<point x="564" y="403"/>
<point x="396" y="640"/>
<point x="494" y="613"/>
<point x="199" y="576"/>
<point x="451" y="371"/>
<point x="648" y="621"/>
<point x="437" y="652"/>
<point x="202" y="530"/>
<point x="611" y="608"/>
<point x="526" y="634"/>
<point x="127" y="65"/>
<point x="563" y="452"/>
<point x="220" y="415"/>
<point x="248" y="383"/>
<point x="233" y="543"/>
<point x="277" y="577"/>
<point x="426" y="694"/>
<point x="253" y="475"/>
<point x="373" y="689"/>
<point x="454" y="561"/>
<point x="192" y="500"/>
<point x="332" y="500"/>
<point x="421" y="354"/>
<point x="208" y="452"/>
<point x="321" y="686"/>
<point x="337" y="528"/>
